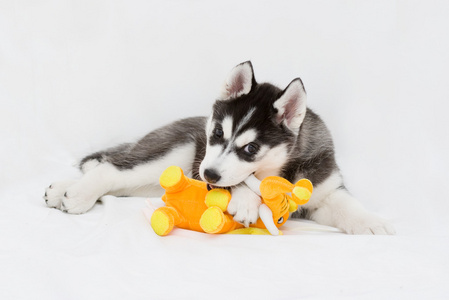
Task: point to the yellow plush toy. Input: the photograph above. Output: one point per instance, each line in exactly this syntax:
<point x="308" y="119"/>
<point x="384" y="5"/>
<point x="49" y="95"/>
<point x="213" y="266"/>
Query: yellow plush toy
<point x="190" y="205"/>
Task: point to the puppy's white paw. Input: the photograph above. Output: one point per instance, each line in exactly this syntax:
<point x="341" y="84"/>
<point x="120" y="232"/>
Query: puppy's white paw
<point x="244" y="205"/>
<point x="54" y="193"/>
<point x="78" y="199"/>
<point x="367" y="224"/>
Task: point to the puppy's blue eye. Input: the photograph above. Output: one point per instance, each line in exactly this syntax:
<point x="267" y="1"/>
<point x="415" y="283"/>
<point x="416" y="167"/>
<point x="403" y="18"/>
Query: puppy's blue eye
<point x="251" y="149"/>
<point x="218" y="133"/>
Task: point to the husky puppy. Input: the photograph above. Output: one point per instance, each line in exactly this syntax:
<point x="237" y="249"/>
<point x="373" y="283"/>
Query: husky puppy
<point x="254" y="129"/>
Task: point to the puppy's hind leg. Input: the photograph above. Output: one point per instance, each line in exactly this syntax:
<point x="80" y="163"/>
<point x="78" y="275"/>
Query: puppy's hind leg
<point x="133" y="169"/>
<point x="82" y="195"/>
<point x="106" y="178"/>
<point x="55" y="192"/>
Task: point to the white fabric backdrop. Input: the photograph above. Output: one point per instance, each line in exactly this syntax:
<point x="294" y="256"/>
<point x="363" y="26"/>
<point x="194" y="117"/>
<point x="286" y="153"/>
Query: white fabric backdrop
<point x="78" y="76"/>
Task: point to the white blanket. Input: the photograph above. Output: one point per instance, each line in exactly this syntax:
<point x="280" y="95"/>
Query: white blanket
<point x="113" y="253"/>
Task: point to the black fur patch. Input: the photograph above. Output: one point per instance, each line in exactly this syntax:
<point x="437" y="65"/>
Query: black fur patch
<point x="263" y="119"/>
<point x="156" y="144"/>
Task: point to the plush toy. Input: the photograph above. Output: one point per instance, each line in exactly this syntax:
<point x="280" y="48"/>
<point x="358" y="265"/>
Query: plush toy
<point x="190" y="205"/>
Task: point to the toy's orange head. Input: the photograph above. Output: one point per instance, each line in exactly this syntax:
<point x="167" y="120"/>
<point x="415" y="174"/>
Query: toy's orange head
<point x="279" y="206"/>
<point x="276" y="191"/>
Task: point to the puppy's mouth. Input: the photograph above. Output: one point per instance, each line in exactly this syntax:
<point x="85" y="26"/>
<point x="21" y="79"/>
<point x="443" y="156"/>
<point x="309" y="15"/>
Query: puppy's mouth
<point x="211" y="187"/>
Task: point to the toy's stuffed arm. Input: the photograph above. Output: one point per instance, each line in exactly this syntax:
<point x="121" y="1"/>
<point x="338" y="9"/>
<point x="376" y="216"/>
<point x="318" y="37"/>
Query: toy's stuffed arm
<point x="253" y="183"/>
<point x="265" y="213"/>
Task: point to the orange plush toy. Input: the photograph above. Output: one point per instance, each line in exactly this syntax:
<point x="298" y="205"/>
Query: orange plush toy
<point x="190" y="205"/>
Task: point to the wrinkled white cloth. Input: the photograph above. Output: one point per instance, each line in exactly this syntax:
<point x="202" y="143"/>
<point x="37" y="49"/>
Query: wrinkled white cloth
<point x="113" y="253"/>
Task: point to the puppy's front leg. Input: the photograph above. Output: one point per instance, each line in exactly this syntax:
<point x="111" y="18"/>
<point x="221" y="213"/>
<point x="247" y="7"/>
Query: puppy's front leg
<point x="244" y="205"/>
<point x="341" y="210"/>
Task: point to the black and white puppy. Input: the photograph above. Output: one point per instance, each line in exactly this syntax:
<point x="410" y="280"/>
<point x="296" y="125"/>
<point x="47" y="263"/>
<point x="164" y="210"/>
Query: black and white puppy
<point x="254" y="129"/>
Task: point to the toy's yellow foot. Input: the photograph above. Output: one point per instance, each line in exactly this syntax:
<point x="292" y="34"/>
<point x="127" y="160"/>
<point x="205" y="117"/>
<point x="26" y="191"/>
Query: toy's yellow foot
<point x="172" y="179"/>
<point x="212" y="220"/>
<point x="162" y="222"/>
<point x="218" y="197"/>
<point x="302" y="191"/>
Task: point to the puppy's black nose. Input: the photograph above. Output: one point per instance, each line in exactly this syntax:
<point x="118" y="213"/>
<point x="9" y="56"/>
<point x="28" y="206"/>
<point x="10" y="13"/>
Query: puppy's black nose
<point x="211" y="175"/>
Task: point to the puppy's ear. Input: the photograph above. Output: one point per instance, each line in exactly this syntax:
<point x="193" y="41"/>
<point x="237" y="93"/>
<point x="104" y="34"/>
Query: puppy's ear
<point x="291" y="106"/>
<point x="239" y="82"/>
